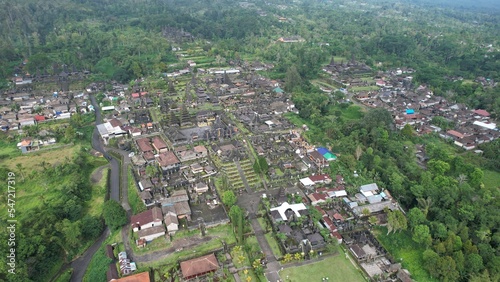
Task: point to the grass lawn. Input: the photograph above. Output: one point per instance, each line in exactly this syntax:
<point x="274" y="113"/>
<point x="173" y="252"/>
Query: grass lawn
<point x="401" y="246"/>
<point x="31" y="161"/>
<point x="313" y="135"/>
<point x="368" y="79"/>
<point x="99" y="193"/>
<point x="199" y="250"/>
<point x="364" y="88"/>
<point x="491" y="178"/>
<point x="337" y="269"/>
<point x="8" y="149"/>
<point x="155" y="245"/>
<point x="273" y="244"/>
<point x="224" y="232"/>
<point x="65" y="276"/>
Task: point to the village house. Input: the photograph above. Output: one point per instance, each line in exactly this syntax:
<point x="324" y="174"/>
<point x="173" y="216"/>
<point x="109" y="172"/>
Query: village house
<point x="149" y="234"/>
<point x="171" y="222"/>
<point x="168" y="162"/>
<point x="178" y="204"/>
<point x="199" y="267"/>
<point x="159" y="145"/>
<point x="147" y="219"/>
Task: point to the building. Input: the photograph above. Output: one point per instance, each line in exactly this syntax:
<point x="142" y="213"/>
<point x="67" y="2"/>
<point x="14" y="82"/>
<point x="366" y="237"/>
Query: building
<point x="199" y="267"/>
<point x="168" y="162"/>
<point x="149" y="234"/>
<point x="159" y="145"/>
<point x="147" y="219"/>
<point x="285" y="210"/>
<point x="171" y="222"/>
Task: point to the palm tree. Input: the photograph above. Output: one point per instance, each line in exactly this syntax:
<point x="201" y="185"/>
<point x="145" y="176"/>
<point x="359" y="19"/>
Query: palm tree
<point x="425" y="204"/>
<point x="462" y="178"/>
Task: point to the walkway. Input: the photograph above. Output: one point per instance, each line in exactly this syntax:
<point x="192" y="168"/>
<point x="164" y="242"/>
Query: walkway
<point x="273" y="266"/>
<point x="243" y="178"/>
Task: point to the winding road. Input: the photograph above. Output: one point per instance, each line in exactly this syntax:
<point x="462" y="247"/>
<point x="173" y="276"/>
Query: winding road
<point x="80" y="264"/>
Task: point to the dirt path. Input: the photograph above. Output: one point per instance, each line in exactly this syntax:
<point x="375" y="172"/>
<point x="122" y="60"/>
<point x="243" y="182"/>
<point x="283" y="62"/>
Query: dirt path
<point x="97" y="174"/>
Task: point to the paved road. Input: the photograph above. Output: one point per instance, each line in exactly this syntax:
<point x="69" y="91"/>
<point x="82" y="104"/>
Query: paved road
<point x="80" y="265"/>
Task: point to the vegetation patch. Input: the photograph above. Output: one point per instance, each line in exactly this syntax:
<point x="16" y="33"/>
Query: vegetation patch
<point x="343" y="270"/>
<point x="99" y="191"/>
<point x="135" y="202"/>
<point x="99" y="264"/>
<point x="405" y="250"/>
<point x="65" y="276"/>
<point x="491" y="178"/>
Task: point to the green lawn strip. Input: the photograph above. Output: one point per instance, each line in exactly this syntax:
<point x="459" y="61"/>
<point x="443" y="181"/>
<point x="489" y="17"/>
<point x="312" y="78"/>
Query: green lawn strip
<point x="65" y="276"/>
<point x="364" y="88"/>
<point x="491" y="178"/>
<point x="190" y="253"/>
<point x="155" y="115"/>
<point x="337" y="268"/>
<point x="221" y="231"/>
<point x="273" y="244"/>
<point x="157" y="244"/>
<point x="134" y="200"/>
<point x="99" y="193"/>
<point x="367" y="79"/>
<point x="402" y="247"/>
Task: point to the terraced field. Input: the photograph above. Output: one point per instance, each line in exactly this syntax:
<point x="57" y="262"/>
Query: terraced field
<point x="235" y="179"/>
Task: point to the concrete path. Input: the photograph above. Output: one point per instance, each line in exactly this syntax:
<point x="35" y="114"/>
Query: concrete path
<point x="273" y="266"/>
<point x="243" y="178"/>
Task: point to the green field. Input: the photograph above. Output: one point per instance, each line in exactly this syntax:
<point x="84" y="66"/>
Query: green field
<point x="364" y="88"/>
<point x="273" y="244"/>
<point x="402" y="247"/>
<point x="99" y="190"/>
<point x="337" y="269"/>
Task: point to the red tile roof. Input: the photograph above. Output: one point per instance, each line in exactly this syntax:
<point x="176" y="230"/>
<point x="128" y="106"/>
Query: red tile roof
<point x="455" y="133"/>
<point x="323" y="213"/>
<point x="139" y="277"/>
<point x="158" y="143"/>
<point x="144" y="145"/>
<point x="320" y="177"/>
<point x="317" y="197"/>
<point x="167" y="158"/>
<point x="199" y="266"/>
<point x="200" y="149"/>
<point x="148" y="216"/>
<point x="482" y="113"/>
<point x="114" y="122"/>
<point x="39" y="118"/>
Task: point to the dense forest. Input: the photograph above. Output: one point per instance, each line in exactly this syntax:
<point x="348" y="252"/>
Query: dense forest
<point x="450" y="211"/>
<point x="122" y="40"/>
